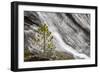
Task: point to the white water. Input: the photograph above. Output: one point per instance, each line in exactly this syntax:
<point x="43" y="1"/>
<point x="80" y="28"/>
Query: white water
<point x="58" y="38"/>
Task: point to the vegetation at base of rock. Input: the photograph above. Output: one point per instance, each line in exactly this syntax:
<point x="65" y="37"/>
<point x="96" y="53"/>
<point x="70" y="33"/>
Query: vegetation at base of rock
<point x="38" y="57"/>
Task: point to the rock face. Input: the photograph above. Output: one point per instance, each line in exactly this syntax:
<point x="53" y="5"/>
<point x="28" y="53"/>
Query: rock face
<point x="71" y="32"/>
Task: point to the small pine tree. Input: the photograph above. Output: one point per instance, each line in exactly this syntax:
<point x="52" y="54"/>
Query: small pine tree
<point x="48" y="46"/>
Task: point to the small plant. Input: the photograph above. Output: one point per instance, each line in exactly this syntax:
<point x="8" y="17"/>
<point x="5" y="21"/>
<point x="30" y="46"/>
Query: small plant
<point x="46" y="36"/>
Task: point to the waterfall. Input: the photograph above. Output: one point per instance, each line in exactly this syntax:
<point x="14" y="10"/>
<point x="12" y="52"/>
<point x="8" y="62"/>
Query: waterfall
<point x="71" y="31"/>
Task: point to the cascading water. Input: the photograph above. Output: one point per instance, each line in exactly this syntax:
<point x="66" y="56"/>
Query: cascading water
<point x="71" y="31"/>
